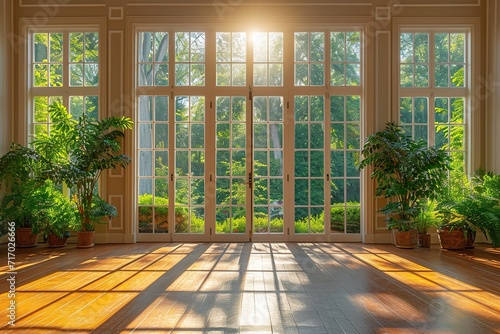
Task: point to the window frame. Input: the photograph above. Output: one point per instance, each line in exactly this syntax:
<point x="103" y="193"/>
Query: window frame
<point x="211" y="90"/>
<point x="473" y="103"/>
<point x="27" y="90"/>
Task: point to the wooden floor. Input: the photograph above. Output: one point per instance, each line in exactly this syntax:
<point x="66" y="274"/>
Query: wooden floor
<point x="253" y="288"/>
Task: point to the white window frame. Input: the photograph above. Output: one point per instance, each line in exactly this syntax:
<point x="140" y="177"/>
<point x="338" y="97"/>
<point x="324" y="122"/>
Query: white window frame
<point x="28" y="91"/>
<point x="473" y="117"/>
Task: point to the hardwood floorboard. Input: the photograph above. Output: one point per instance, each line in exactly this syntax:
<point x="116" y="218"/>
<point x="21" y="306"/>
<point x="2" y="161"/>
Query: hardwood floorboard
<point x="253" y="288"/>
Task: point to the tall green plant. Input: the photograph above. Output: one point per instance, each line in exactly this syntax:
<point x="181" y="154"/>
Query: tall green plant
<point x="406" y="172"/>
<point x="79" y="151"/>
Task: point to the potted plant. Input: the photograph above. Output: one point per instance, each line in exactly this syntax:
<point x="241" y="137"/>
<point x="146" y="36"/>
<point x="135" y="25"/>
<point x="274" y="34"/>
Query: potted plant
<point x="453" y="227"/>
<point x="481" y="205"/>
<point x="425" y="218"/>
<point x="407" y="172"/>
<point x="79" y="151"/>
<point x="19" y="173"/>
<point x="61" y="217"/>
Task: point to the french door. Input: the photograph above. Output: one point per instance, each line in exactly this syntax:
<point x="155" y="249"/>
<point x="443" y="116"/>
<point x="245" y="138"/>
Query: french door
<point x="229" y="148"/>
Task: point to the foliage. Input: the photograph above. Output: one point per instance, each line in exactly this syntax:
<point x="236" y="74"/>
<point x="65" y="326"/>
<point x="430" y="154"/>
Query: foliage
<point x="20" y="173"/>
<point x="314" y="224"/>
<point x="60" y="215"/>
<point x="474" y="204"/>
<point x="407" y="171"/>
<point x="79" y="151"/>
<point x="352" y="213"/>
<point x="426" y="217"/>
<point x="449" y="218"/>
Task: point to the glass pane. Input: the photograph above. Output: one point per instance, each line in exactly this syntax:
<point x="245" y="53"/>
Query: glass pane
<point x="161" y="75"/>
<point x="275" y="74"/>
<point x="441" y="47"/>
<point x="76" y="47"/>
<point x="337" y="74"/>
<point x="353" y="75"/>
<point x="56" y="75"/>
<point x="457" y="110"/>
<point x="337" y="191"/>
<point x="421" y="111"/>
<point x="76" y="74"/>
<point x="145" y="47"/>
<point x="146" y="163"/>
<point x="337" y="136"/>
<point x="441" y="110"/>
<point x="421" y="48"/>
<point x="41" y="75"/>
<point x="421" y="133"/>
<point x="161" y="169"/>
<point x="145" y="74"/>
<point x="145" y="108"/>
<point x="421" y="75"/>
<point x="337" y="163"/>
<point x="197" y="75"/>
<point x="352" y="163"/>
<point x="317" y="108"/>
<point x="317" y="163"/>
<point x="337" y="44"/>
<point x="91" y="47"/>
<point x="317" y="192"/>
<point x="301" y="74"/>
<point x="301" y="136"/>
<point x="223" y="73"/>
<point x="442" y="76"/>
<point x="91" y="75"/>
<point x="457" y="50"/>
<point x="161" y="108"/>
<point x="145" y="135"/>
<point x="317" y="136"/>
<point x="353" y="108"/>
<point x="181" y="74"/>
<point x="405" y="110"/>
<point x="40" y="47"/>
<point x="337" y="108"/>
<point x="353" y="191"/>
<point x="260" y="75"/>
<point x="92" y="107"/>
<point x="352" y="136"/>
<point x="161" y="135"/>
<point x="239" y="75"/>
<point x="353" y="47"/>
<point x="301" y="46"/>
<point x="406" y="76"/>
<point x="56" y="47"/>
<point x="318" y="75"/>
<point x="161" y="46"/>
<point x="406" y="48"/>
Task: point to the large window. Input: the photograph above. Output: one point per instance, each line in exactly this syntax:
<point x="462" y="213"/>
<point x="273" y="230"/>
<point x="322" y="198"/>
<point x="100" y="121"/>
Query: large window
<point x="64" y="65"/>
<point x="434" y="91"/>
<point x="230" y="144"/>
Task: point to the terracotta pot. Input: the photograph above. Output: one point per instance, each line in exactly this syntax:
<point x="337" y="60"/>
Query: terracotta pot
<point x="453" y="240"/>
<point x="406" y="239"/>
<point x="470" y="239"/>
<point x="25" y="237"/>
<point x="85" y="239"/>
<point x="55" y="241"/>
<point x="424" y="240"/>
